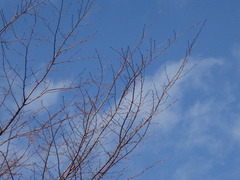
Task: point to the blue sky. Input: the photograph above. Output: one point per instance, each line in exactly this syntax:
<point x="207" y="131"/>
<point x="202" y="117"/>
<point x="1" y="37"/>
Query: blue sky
<point x="199" y="136"/>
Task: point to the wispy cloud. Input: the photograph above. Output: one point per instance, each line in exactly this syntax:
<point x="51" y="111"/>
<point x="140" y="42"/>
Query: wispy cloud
<point x="208" y="121"/>
<point x="188" y="172"/>
<point x="201" y="130"/>
<point x="48" y="98"/>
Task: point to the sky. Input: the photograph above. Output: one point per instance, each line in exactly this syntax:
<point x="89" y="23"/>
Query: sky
<point x="199" y="136"/>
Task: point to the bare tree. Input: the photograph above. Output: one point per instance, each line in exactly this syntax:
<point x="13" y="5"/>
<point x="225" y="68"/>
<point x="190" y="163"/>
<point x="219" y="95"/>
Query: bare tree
<point x="79" y="127"/>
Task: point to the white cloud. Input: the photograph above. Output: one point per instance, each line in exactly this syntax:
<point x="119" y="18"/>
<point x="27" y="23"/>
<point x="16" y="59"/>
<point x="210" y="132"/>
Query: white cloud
<point x="210" y="123"/>
<point x="47" y="99"/>
<point x="191" y="170"/>
<point x="202" y="128"/>
<point x="195" y="79"/>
